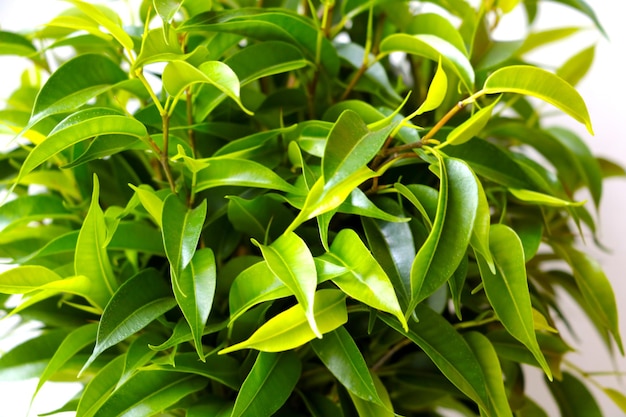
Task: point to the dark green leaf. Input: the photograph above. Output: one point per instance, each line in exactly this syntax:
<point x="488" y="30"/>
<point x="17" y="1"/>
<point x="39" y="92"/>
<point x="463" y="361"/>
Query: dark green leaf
<point x="574" y="398"/>
<point x="268" y="385"/>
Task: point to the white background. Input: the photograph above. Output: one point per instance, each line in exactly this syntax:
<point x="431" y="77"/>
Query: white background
<point x="604" y="90"/>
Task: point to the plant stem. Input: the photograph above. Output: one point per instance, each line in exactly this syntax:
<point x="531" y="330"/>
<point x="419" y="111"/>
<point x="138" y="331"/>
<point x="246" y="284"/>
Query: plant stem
<point x="390" y="353"/>
<point x="190" y="132"/>
<point x="164" y="159"/>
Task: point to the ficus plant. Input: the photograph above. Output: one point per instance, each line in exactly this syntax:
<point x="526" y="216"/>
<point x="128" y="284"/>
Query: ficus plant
<point x="300" y="208"/>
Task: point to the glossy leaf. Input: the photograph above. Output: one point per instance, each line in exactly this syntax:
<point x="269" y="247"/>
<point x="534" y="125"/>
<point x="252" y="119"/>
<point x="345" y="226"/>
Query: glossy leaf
<point x="437" y="25"/>
<point x="574" y="398"/>
<point x="151" y="202"/>
<point x="290" y="259"/>
<point x="530" y="196"/>
<point x="436" y="92"/>
<point x="76" y="82"/>
<point x="240" y="172"/>
<point x="594" y="287"/>
<point x="447" y="243"/>
<point x="471" y="127"/>
<point x="167" y="9"/>
<point x="507" y="289"/>
<point x="114" y="27"/>
<point x="350" y="147"/>
<point x="448" y="351"/>
<point x="252" y="286"/>
<point x="78" y="131"/>
<point x="290" y="329"/>
<point x="364" y="279"/>
<point x="98" y="389"/>
<point x="433" y="48"/>
<point x="577" y="66"/>
<point x="26" y="278"/>
<point x="486" y="355"/>
<point x="181" y="232"/>
<point x="156" y="46"/>
<point x="135" y="304"/>
<point x="338" y="351"/>
<point x="268" y="385"/>
<point x="29" y="358"/>
<point x="542" y="84"/>
<point x="194" y="292"/>
<point x="222" y="369"/>
<point x="15" y="44"/>
<point x="179" y="75"/>
<point x="32" y="208"/>
<point x="371" y="409"/>
<point x="150" y="392"/>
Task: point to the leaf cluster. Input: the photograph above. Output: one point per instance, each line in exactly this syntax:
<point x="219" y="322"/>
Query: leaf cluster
<point x="317" y="207"/>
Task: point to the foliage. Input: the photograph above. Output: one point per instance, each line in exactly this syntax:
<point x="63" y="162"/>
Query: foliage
<point x="321" y="208"/>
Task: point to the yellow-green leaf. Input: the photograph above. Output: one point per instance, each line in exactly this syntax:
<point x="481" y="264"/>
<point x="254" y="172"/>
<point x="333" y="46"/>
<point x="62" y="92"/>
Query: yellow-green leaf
<point x="436" y="92"/>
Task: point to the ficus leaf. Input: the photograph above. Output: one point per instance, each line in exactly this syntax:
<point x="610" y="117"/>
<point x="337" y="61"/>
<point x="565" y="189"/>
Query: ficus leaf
<point x="574" y="398"/>
<point x="507" y="289"/>
<point x="290" y="329"/>
<point x="137" y="302"/>
<point x="447" y="242"/>
<point x="290" y="259"/>
<point x="471" y="127"/>
<point x="436" y="92"/>
<point x="537" y="82"/>
<point x="268" y="385"/>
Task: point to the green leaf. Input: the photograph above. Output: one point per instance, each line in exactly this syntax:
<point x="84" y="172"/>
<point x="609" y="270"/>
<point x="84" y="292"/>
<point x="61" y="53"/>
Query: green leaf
<point x="181" y="232"/>
<point x="576" y="67"/>
<point x="179" y="75"/>
<point x="258" y="216"/>
<point x="151" y="202"/>
<point x="447" y="242"/>
<point x="535" y="197"/>
<point x="370" y="409"/>
<point x="537" y="82"/>
<point x="290" y="259"/>
<point x="364" y="279"/>
<point x="77" y="128"/>
<point x="350" y="147"/>
<point x="486" y="355"/>
<point x="137" y="302"/>
<point x="91" y="258"/>
<point x="471" y="127"/>
<point x="75" y="341"/>
<point x="15" y="44"/>
<point x="156" y="46"/>
<point x="617" y="397"/>
<point x="338" y="351"/>
<point x="537" y="39"/>
<point x="75" y="83"/>
<point x="194" y="293"/>
<point x="240" y="172"/>
<point x="595" y="288"/>
<point x="167" y="9"/>
<point x="268" y="385"/>
<point x="150" y="392"/>
<point x="507" y="289"/>
<point x="573" y="397"/>
<point x="433" y="48"/>
<point x="223" y="369"/>
<point x="437" y="25"/>
<point x="32" y="208"/>
<point x="252" y="286"/>
<point x="448" y="351"/>
<point x="436" y="92"/>
<point x="114" y="27"/>
<point x="100" y="386"/>
<point x="30" y="358"/>
<point x="583" y="7"/>
<point x="290" y="329"/>
<point x="26" y="278"/>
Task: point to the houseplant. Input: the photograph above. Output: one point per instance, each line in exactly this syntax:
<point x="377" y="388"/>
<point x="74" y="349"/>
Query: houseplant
<point x="299" y="208"/>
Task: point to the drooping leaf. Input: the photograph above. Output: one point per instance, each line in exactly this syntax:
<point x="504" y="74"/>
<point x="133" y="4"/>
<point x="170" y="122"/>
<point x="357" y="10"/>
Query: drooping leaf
<point x="16" y="44"/>
<point x="447" y="243"/>
<point x="75" y="341"/>
<point x="574" y="398"/>
<point x="577" y="66"/>
<point x="343" y="359"/>
<point x="364" y="279"/>
<point x="290" y="329"/>
<point x="181" y="231"/>
<point x="537" y="82"/>
<point x="135" y="304"/>
<point x="594" y="287"/>
<point x="486" y="355"/>
<point x="535" y="197"/>
<point x="371" y="409"/>
<point x="507" y="289"/>
<point x="433" y="48"/>
<point x="102" y="19"/>
<point x="99" y="388"/>
<point x="194" y="293"/>
<point x="290" y="259"/>
<point x="150" y="392"/>
<point x="448" y="351"/>
<point x="268" y="385"/>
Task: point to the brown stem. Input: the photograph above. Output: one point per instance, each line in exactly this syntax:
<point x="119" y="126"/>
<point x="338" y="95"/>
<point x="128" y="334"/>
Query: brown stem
<point x="353" y="81"/>
<point x="190" y="132"/>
